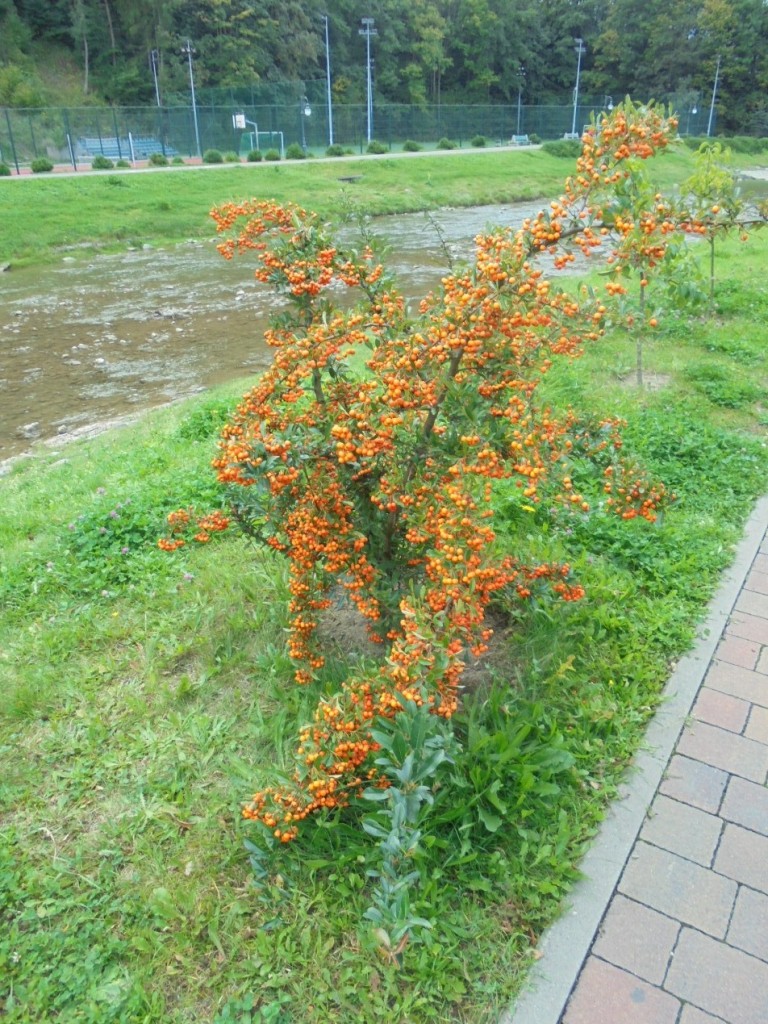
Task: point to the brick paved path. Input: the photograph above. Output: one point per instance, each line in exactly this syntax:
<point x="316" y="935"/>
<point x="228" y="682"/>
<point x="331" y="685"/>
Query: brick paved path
<point x="684" y="938"/>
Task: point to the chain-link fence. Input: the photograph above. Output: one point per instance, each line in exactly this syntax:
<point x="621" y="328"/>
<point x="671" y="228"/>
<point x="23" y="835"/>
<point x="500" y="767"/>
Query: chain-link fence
<point x="75" y="135"/>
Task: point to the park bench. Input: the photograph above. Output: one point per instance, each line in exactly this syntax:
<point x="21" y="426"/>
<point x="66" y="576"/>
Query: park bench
<point x="520" y="140"/>
<point x="114" y="148"/>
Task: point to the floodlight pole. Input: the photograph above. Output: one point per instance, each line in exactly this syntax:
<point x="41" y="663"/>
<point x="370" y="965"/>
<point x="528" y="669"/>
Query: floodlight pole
<point x="154" y="57"/>
<point x="187" y="51"/>
<point x="580" y="49"/>
<point x="368" y="30"/>
<point x="328" y="80"/>
<point x="714" y="94"/>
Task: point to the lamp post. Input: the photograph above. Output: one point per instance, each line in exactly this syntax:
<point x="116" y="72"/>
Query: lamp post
<point x="187" y="51"/>
<point x="520" y="81"/>
<point x="304" y="111"/>
<point x="154" y="57"/>
<point x="328" y="80"/>
<point x="608" y="103"/>
<point x="368" y="30"/>
<point x="691" y="110"/>
<point x="580" y="49"/>
<point x="714" y="94"/>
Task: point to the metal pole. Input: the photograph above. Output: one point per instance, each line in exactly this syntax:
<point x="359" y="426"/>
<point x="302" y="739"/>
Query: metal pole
<point x="579" y="50"/>
<point x="188" y="51"/>
<point x="153" y="58"/>
<point x="328" y="81"/>
<point x="521" y="74"/>
<point x="368" y="30"/>
<point x="714" y="94"/>
<point x="10" y="139"/>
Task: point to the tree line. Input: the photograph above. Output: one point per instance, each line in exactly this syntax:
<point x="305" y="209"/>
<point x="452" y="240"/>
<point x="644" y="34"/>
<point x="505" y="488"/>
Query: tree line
<point x="422" y="51"/>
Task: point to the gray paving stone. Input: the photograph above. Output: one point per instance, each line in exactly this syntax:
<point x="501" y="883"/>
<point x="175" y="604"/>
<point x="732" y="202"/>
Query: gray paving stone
<point x="746" y="804"/>
<point x="743" y="856"/>
<point x="749" y="925"/>
<point x="723" y="749"/>
<point x="679" y="888"/>
<point x="760" y="563"/>
<point x="606" y="995"/>
<point x="737" y="651"/>
<point x="721" y="709"/>
<point x="739" y="682"/>
<point x="718" y="979"/>
<point x="682" y="829"/>
<point x="694" y="783"/>
<point x="637" y="938"/>
<point x="762" y="662"/>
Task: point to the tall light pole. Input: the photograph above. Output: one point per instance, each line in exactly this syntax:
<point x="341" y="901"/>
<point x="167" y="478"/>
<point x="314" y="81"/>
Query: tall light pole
<point x="368" y="30"/>
<point x="520" y="80"/>
<point x="580" y="49"/>
<point x="187" y="51"/>
<point x="714" y="94"/>
<point x="154" y="58"/>
<point x="328" y="80"/>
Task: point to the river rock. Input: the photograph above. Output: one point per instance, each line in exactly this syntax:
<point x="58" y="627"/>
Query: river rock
<point x="29" y="431"/>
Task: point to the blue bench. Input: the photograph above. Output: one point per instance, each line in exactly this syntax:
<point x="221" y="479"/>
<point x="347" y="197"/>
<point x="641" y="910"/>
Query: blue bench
<point x="114" y="148"/>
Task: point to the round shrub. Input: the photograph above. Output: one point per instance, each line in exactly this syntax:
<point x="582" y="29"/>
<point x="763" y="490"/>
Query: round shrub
<point x="102" y="163"/>
<point x="158" y="160"/>
<point x="41" y="165"/>
<point x="231" y="157"/>
<point x="409" y="146"/>
<point x="295" y="152"/>
<point x="122" y="163"/>
<point x="446" y="143"/>
<point x="254" y="157"/>
<point x="569" y="149"/>
<point x="335" y="150"/>
<point x="5" y="170"/>
<point x="377" y="148"/>
<point x="212" y="156"/>
<point x="272" y="154"/>
<point x="478" y="141"/>
<point x="178" y="160"/>
<point x="534" y="139"/>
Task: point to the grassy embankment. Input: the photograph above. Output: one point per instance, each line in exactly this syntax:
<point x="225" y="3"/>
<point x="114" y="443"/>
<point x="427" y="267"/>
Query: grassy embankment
<point x="145" y="696"/>
<point x="44" y="216"/>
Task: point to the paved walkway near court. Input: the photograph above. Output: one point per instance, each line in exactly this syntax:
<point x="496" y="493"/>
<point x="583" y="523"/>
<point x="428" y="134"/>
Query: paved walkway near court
<point x="670" y="922"/>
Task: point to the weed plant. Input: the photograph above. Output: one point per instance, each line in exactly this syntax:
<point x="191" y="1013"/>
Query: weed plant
<point x="145" y="696"/>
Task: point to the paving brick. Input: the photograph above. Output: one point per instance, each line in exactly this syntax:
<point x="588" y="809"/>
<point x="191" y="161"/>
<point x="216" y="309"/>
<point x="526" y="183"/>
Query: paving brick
<point x="760" y="563"/>
<point x="752" y="604"/>
<point x="679" y="888"/>
<point x="637" y="938"/>
<point x="605" y="995"/>
<point x="757" y="581"/>
<point x="682" y="829"/>
<point x="694" y="783"/>
<point x="748" y="626"/>
<point x="718" y="979"/>
<point x="722" y="709"/>
<point x="762" y="662"/>
<point x="746" y="804"/>
<point x="739" y="682"/>
<point x="692" y="1015"/>
<point x="726" y="750"/>
<point x="757" y="726"/>
<point x="737" y="651"/>
<point x="749" y="926"/>
<point x="743" y="855"/>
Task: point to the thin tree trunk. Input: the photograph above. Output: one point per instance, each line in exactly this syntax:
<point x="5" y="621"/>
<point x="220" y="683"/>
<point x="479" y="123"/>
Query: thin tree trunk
<point x="112" y="40"/>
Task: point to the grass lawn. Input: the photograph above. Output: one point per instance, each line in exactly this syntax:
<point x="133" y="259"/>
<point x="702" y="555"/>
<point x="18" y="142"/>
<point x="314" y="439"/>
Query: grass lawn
<point x="146" y="695"/>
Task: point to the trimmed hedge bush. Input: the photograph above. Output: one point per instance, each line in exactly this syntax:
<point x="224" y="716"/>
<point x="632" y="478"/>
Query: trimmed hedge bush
<point x="272" y="154"/>
<point x="377" y="148"/>
<point x="479" y="141"/>
<point x="231" y="157"/>
<point x="41" y="165"/>
<point x="295" y="152"/>
<point x="446" y="143"/>
<point x="158" y="160"/>
<point x="212" y="156"/>
<point x="409" y="146"/>
<point x="335" y="150"/>
<point x="5" y="170"/>
<point x="254" y="156"/>
<point x="569" y="149"/>
<point x="102" y="163"/>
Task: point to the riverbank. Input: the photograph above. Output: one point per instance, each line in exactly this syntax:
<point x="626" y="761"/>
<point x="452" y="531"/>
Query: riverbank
<point x="45" y="218"/>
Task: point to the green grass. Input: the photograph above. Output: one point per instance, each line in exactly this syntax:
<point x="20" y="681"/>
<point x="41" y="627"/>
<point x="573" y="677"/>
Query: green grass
<point x="122" y="208"/>
<point x="145" y="696"/>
